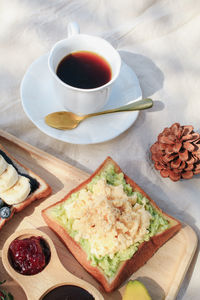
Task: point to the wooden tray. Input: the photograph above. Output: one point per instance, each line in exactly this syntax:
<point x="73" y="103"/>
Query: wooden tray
<point x="162" y="274"/>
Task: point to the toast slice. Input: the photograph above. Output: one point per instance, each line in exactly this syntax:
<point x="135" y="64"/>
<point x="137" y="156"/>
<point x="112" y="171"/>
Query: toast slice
<point x="38" y="187"/>
<point x="110" y="225"/>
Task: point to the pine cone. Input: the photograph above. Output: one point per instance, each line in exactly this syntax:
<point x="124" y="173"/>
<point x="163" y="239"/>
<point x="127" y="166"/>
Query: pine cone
<point x="176" y="154"/>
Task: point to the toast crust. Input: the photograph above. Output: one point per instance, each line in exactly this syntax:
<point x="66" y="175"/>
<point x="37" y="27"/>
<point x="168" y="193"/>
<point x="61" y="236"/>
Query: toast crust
<point x="145" y="250"/>
<point x="42" y="191"/>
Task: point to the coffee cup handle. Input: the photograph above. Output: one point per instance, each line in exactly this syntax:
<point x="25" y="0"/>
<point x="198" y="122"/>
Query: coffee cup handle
<point x="72" y="29"/>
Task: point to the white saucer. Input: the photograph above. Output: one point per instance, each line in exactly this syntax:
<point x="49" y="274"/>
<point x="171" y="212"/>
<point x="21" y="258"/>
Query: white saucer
<point x="39" y="99"/>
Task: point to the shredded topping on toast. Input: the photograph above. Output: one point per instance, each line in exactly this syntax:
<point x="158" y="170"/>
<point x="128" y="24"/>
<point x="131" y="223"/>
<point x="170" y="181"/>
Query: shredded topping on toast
<point x="108" y="218"/>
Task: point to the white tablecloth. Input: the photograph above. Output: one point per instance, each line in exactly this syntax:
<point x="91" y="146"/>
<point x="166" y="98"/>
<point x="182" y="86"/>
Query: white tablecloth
<point x="161" y="40"/>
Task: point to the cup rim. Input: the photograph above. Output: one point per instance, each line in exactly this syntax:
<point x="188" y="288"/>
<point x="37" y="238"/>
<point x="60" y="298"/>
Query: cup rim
<point x="81" y="89"/>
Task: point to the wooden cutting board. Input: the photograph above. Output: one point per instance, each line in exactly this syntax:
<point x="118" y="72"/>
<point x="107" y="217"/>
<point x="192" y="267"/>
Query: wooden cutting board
<point x="162" y="274"/>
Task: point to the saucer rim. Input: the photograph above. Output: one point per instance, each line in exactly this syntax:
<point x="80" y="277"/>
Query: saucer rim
<point x="68" y="139"/>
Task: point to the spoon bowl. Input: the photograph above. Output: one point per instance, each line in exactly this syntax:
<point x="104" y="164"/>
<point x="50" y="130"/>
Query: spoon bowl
<point x="65" y="120"/>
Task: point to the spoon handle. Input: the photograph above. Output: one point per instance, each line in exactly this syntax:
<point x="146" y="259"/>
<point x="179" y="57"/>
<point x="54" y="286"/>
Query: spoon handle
<point x="138" y="105"/>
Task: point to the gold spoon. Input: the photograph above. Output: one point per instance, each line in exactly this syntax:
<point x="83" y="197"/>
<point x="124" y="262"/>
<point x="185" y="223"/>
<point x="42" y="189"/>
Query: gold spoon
<point x="68" y="120"/>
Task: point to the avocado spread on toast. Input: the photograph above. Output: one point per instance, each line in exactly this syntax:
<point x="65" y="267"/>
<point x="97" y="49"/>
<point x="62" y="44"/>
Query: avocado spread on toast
<point x="109" y="265"/>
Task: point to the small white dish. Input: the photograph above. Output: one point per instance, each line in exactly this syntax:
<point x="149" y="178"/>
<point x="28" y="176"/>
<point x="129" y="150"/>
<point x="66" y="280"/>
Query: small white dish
<point x="39" y="99"/>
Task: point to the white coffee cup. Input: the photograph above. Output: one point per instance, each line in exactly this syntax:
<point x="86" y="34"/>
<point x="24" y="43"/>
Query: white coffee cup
<point x="79" y="100"/>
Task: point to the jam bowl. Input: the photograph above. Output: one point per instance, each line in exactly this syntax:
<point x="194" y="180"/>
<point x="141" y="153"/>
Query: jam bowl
<point x="29" y="255"/>
<point x="30" y="258"/>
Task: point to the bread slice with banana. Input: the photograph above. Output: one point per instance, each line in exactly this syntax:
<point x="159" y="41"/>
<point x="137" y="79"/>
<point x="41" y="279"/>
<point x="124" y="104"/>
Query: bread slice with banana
<point x="110" y="225"/>
<point x="19" y="186"/>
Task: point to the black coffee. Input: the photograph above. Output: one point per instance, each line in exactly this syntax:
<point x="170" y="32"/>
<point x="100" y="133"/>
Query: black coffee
<point x="84" y="69"/>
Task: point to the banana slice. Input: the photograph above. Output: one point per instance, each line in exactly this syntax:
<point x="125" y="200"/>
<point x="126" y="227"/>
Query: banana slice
<point x="3" y="164"/>
<point x="17" y="193"/>
<point x="8" y="178"/>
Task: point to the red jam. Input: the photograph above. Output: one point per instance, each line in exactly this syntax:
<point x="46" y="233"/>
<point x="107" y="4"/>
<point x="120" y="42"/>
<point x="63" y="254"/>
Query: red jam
<point x="30" y="255"/>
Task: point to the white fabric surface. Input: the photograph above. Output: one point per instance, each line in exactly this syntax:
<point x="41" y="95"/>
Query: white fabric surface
<point x="161" y="41"/>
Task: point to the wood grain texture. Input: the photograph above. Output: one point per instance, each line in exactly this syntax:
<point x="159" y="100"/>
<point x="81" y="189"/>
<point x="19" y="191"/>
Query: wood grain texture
<point x="162" y="274"/>
<point x="52" y="276"/>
